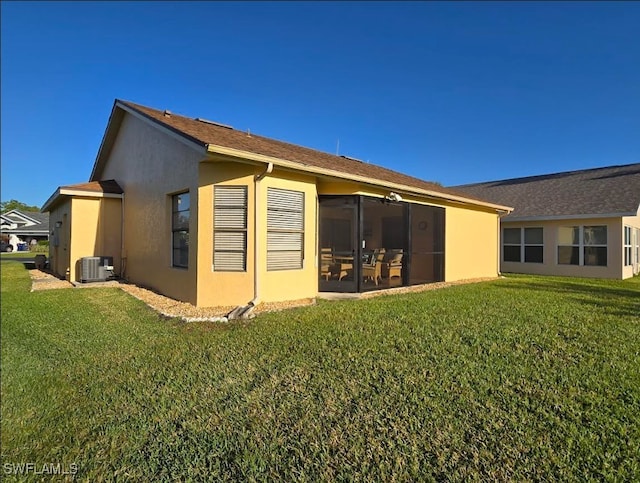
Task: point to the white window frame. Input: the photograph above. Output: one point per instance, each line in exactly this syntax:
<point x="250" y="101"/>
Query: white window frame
<point x="582" y="245"/>
<point x="637" y="230"/>
<point x="229" y="227"/>
<point x="523" y="244"/>
<point x="627" y="246"/>
<point x="285" y="228"/>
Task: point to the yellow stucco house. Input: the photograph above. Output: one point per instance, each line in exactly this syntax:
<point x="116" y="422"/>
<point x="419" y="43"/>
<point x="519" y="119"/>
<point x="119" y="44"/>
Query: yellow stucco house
<point x="214" y="216"/>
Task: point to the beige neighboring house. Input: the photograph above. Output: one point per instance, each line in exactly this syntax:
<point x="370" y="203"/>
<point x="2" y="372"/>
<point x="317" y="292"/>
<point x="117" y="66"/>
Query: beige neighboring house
<point x="579" y="223"/>
<point x="214" y="216"/>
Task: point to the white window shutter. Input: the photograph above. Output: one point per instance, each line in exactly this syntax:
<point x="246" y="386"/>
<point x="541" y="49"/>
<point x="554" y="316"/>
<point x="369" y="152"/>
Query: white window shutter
<point x="230" y="228"/>
<point x="285" y="229"/>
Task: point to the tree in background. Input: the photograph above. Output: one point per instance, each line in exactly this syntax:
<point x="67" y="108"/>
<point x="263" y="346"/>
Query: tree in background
<point x="16" y="205"/>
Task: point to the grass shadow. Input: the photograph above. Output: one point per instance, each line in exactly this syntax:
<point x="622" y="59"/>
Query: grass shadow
<point x="619" y="301"/>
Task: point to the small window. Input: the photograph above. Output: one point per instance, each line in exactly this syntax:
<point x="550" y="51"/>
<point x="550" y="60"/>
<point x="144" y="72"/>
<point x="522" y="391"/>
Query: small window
<point x="569" y="245"/>
<point x="511" y="245"/>
<point x="595" y="245"/>
<point x="523" y="245"/>
<point x="230" y="228"/>
<point x="180" y="209"/>
<point x="285" y="229"/>
<point x="628" y="250"/>
<point x="533" y="245"/>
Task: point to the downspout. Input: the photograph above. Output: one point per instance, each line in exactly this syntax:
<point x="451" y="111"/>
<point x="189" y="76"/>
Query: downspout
<point x="123" y="259"/>
<point x="245" y="312"/>
<point x="500" y="216"/>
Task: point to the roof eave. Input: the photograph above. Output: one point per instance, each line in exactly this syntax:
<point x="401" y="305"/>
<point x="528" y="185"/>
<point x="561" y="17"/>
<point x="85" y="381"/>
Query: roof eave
<point x="50" y="201"/>
<point x="214" y="149"/>
<point x="113" y="126"/>
<point x="582" y="216"/>
<point x="64" y="192"/>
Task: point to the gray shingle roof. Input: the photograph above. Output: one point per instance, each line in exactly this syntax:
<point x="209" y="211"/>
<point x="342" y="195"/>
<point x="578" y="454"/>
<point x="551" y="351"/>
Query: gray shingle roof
<point x="600" y="191"/>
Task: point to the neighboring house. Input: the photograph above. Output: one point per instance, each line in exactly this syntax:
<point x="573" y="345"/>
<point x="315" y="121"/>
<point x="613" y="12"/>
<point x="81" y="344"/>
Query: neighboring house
<point x="25" y="225"/>
<point x="578" y="223"/>
<point x="211" y="215"/>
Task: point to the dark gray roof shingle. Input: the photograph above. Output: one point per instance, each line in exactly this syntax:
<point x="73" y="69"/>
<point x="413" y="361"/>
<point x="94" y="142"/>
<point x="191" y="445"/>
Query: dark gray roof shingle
<point x="599" y="191"/>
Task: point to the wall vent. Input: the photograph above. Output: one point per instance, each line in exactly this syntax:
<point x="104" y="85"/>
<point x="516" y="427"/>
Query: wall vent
<point x="351" y="159"/>
<point x="207" y="121"/>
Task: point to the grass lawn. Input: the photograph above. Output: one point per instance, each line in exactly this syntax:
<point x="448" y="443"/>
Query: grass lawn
<point x="19" y="254"/>
<point x="526" y="378"/>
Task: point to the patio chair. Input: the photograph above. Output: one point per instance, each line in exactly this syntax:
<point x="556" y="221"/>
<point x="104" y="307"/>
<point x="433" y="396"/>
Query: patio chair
<point x="326" y="261"/>
<point x="393" y="267"/>
<point x="373" y="271"/>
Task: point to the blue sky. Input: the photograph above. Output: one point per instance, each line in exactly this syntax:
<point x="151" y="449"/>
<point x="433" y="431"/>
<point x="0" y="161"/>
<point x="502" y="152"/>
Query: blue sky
<point x="454" y="92"/>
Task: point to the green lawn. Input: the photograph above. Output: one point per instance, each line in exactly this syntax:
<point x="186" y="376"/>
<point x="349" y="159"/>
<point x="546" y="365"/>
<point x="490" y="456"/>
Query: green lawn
<point x="526" y="378"/>
<point x="19" y="254"/>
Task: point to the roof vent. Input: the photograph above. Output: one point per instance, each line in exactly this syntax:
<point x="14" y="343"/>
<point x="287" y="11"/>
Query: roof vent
<point x="206" y="121"/>
<point x="351" y="159"/>
<point x="167" y="113"/>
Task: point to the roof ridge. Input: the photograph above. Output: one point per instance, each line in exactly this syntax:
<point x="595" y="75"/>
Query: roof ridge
<point x="559" y="173"/>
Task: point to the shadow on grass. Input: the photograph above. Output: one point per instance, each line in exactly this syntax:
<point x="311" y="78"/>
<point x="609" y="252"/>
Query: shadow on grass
<point x="619" y="301"/>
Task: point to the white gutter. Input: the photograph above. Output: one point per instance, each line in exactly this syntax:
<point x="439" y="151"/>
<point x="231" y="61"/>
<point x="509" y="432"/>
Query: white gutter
<point x="244" y="312"/>
<point x="123" y="259"/>
<point x="500" y="216"/>
<point x="256" y="234"/>
<point x="568" y="217"/>
<point x="216" y="149"/>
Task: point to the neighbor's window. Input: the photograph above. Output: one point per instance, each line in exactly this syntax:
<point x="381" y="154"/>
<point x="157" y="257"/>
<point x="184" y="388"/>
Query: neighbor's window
<point x="627" y="246"/>
<point x="511" y="243"/>
<point x="180" y="229"/>
<point x="285" y="229"/>
<point x="533" y="245"/>
<point x="569" y="245"/>
<point x="230" y="228"/>
<point x="595" y="245"/>
<point x="582" y="245"/>
<point x="523" y="244"/>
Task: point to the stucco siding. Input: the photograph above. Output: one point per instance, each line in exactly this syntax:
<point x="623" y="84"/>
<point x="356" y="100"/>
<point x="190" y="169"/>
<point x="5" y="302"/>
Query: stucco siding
<point x="219" y="288"/>
<point x="279" y="285"/>
<point x="95" y="231"/>
<point x="550" y="265"/>
<point x="471" y="243"/>
<point x="629" y="271"/>
<point x="150" y="166"/>
<point x="59" y="242"/>
<point x="216" y="288"/>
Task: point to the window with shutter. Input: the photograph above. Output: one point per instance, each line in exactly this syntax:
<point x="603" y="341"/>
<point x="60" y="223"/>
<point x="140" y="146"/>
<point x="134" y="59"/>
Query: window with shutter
<point x="230" y="228"/>
<point x="285" y="229"/>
